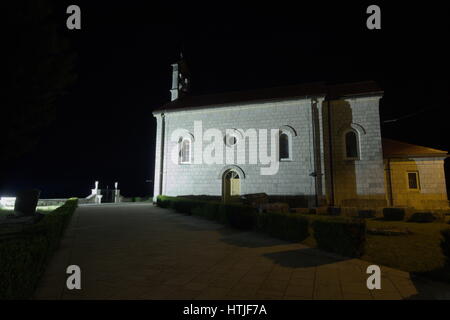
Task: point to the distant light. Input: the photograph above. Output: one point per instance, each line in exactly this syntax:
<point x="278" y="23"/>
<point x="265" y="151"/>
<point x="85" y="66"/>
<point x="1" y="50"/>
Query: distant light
<point x="7" y="201"/>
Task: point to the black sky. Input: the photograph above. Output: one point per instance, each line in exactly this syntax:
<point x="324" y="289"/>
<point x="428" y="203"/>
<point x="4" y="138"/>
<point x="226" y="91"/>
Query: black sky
<point x="105" y="130"/>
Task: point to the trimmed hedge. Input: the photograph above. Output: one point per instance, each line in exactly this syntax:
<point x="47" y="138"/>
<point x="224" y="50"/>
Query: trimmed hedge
<point x="334" y="211"/>
<point x="394" y="214"/>
<point x="236" y="215"/>
<point x="286" y="226"/>
<point x="24" y="255"/>
<point x="445" y="245"/>
<point x="162" y="201"/>
<point x="366" y="214"/>
<point x="336" y="234"/>
<point x="340" y="235"/>
<point x="181" y="205"/>
<point x="422" y="217"/>
<point x="209" y="210"/>
<point x="184" y="206"/>
<point x="328" y="211"/>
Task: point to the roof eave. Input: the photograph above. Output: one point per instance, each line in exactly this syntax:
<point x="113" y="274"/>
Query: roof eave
<point x="405" y="156"/>
<point x="364" y="95"/>
<point x="235" y="104"/>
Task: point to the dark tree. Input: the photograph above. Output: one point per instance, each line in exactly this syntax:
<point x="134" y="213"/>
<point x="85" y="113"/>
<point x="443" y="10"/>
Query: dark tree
<point x="38" y="67"/>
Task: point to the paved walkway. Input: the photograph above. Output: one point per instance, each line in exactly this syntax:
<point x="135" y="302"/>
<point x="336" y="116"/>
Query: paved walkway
<point x="138" y="251"/>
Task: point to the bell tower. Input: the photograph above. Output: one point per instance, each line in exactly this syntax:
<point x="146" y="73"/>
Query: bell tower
<point x="180" y="79"/>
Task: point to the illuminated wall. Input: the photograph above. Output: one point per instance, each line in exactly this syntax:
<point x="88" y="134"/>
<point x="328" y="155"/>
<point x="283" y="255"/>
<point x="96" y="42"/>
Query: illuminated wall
<point x="307" y="173"/>
<point x="357" y="182"/>
<point x="431" y="191"/>
<point x="292" y="177"/>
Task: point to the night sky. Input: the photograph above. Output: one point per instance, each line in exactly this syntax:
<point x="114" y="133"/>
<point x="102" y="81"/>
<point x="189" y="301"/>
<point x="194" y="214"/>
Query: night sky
<point x="105" y="129"/>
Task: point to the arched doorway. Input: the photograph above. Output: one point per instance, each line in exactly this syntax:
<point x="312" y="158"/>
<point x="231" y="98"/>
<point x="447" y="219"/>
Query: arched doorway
<point x="231" y="185"/>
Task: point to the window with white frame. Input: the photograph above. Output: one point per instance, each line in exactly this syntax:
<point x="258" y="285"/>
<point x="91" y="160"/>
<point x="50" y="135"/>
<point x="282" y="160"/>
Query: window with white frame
<point x="413" y="180"/>
<point x="351" y="145"/>
<point x="185" y="150"/>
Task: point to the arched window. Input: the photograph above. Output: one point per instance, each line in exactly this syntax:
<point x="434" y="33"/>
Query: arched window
<point x="285" y="153"/>
<point x="185" y="151"/>
<point x="285" y="142"/>
<point x="351" y="145"/>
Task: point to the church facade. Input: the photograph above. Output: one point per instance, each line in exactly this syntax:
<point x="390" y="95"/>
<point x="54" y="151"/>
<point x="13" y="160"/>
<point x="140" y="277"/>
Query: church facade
<point x="318" y="142"/>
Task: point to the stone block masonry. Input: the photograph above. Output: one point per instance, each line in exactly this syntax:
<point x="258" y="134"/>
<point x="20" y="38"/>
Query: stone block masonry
<point x="362" y="178"/>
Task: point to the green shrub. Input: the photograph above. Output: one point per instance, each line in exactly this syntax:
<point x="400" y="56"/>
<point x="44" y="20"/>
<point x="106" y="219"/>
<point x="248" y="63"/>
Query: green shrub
<point x="303" y="210"/>
<point x="297" y="228"/>
<point x="238" y="216"/>
<point x="335" y="234"/>
<point x="340" y="235"/>
<point x="22" y="262"/>
<point x="178" y="204"/>
<point x="366" y="214"/>
<point x="185" y="206"/>
<point x="445" y="244"/>
<point x="24" y="255"/>
<point x="209" y="210"/>
<point x="292" y="227"/>
<point x="162" y="201"/>
<point x="422" y="217"/>
<point x="333" y="211"/>
<point x="328" y="211"/>
<point x="393" y="214"/>
<point x="271" y="223"/>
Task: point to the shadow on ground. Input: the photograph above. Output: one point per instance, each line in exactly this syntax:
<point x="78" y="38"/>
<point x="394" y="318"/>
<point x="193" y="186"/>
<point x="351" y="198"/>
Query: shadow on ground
<point x="302" y="258"/>
<point x="429" y="284"/>
<point x="248" y="239"/>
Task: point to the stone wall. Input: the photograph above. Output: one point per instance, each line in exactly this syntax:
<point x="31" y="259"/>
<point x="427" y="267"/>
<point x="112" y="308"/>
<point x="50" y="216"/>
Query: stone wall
<point x="354" y="180"/>
<point x="293" y="177"/>
<point x="357" y="182"/>
<point x="432" y="193"/>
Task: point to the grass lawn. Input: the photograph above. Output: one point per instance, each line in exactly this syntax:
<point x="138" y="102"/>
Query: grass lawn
<point x="4" y="212"/>
<point x="418" y="252"/>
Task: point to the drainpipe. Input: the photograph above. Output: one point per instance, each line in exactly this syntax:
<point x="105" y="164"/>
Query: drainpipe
<point x="390" y="192"/>
<point x="161" y="159"/>
<point x="315" y="174"/>
<point x="330" y="150"/>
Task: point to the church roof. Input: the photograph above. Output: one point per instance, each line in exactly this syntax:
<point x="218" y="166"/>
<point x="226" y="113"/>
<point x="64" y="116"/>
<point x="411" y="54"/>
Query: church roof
<point x="277" y="93"/>
<point x="398" y="149"/>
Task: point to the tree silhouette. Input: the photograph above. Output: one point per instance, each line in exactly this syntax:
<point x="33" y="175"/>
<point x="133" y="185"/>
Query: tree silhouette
<point x="39" y="67"/>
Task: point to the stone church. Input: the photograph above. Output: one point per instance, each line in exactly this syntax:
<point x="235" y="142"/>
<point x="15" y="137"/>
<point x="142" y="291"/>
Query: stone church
<point x="328" y="147"/>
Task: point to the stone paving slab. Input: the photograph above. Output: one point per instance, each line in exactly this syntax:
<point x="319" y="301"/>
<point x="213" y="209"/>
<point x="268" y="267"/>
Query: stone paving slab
<point x="138" y="251"/>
